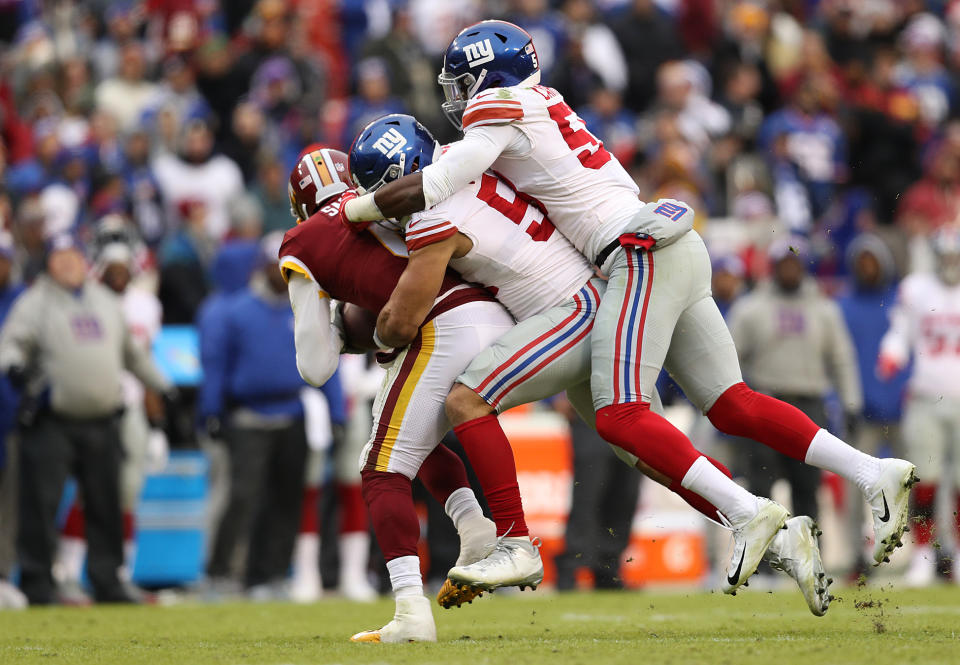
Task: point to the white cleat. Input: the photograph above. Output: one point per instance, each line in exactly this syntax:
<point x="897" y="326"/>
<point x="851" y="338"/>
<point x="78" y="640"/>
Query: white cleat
<point x="477" y="541"/>
<point x="889" y="498"/>
<point x="412" y="622"/>
<point x="923" y="568"/>
<point x="795" y="550"/>
<point x="513" y="562"/>
<point x="751" y="541"/>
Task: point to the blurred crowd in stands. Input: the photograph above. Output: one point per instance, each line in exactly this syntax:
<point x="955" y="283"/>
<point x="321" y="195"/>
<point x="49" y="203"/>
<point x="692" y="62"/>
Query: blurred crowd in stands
<point x="807" y="132"/>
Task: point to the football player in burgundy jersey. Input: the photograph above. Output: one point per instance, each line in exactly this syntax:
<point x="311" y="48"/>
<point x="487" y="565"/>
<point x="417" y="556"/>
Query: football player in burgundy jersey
<point x="658" y="307"/>
<point x="323" y="261"/>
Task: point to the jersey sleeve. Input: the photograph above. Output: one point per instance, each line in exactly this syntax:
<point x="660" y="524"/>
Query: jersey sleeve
<point x="498" y="106"/>
<point x="293" y="259"/>
<point x="428" y="228"/>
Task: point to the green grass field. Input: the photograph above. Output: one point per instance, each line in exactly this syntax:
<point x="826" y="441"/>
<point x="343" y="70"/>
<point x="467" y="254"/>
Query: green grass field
<point x="868" y="625"/>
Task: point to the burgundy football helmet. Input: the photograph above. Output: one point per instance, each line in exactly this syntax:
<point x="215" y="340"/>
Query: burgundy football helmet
<point x="320" y="174"/>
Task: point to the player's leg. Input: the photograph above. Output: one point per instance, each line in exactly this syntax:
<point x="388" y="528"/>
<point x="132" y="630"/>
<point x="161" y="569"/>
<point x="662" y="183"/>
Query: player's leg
<point x="646" y="293"/>
<point x="409" y="420"/>
<point x="926" y="440"/>
<point x="538" y="358"/>
<point x="703" y="360"/>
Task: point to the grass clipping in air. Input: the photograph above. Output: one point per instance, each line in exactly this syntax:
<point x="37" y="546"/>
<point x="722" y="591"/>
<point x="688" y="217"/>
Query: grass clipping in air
<point x="588" y="628"/>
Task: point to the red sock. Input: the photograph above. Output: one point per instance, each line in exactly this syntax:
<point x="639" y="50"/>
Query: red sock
<point x="741" y="411"/>
<point x="638" y="430"/>
<point x="75" y="525"/>
<point x="443" y="473"/>
<point x="921" y="522"/>
<point x="353" y="514"/>
<point x="310" y="510"/>
<point x="700" y="504"/>
<point x="491" y="456"/>
<point x="128" y="526"/>
<point x="390" y="502"/>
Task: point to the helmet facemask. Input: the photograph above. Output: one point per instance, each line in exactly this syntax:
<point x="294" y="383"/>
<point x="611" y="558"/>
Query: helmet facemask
<point x="457" y="91"/>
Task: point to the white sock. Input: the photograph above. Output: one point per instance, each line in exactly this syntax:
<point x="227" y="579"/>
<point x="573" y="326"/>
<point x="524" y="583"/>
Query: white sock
<point x="354" y="549"/>
<point x="405" y="576"/>
<point x="71" y="555"/>
<point x="828" y="452"/>
<point x="462" y="506"/>
<point x="737" y="504"/>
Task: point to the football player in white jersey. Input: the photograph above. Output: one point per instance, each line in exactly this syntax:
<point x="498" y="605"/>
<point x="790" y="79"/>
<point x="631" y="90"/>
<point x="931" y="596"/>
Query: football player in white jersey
<point x="657" y="309"/>
<point x="925" y="326"/>
<point x="496" y="236"/>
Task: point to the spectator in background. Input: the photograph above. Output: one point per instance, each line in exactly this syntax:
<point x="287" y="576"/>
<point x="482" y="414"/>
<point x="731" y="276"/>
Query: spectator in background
<point x="184" y="260"/>
<point x="727" y="282"/>
<point x="923" y="72"/>
<point x="141" y="187"/>
<point x="239" y="255"/>
<point x="413" y="76"/>
<point x="598" y="45"/>
<point x="130" y="93"/>
<point x="374" y="99"/>
<point x="545" y="26"/>
<point x="866" y="310"/>
<point x="648" y="39"/>
<point x="252" y="387"/>
<point x="246" y="139"/>
<point x="30" y="234"/>
<point x="10" y="290"/>
<point x="930" y="203"/>
<point x="198" y="174"/>
<point x="605" y="493"/>
<point x="806" y="150"/>
<point x="270" y="191"/>
<point x="794" y="345"/>
<point x="65" y="344"/>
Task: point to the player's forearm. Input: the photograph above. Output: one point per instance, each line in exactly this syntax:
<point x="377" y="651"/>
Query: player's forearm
<point x="395" y="199"/>
<point x="397" y="327"/>
<point x="317" y="340"/>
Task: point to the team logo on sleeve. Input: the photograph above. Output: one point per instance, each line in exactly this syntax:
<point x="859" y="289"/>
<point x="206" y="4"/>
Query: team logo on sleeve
<point x="478" y="52"/>
<point x="390" y="143"/>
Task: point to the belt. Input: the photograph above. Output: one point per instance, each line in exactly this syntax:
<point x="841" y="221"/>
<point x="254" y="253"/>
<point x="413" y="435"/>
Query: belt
<point x="606" y="252"/>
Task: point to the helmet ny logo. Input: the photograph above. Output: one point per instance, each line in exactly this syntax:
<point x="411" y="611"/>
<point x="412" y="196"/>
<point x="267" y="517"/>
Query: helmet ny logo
<point x="390" y="143"/>
<point x="478" y="52"/>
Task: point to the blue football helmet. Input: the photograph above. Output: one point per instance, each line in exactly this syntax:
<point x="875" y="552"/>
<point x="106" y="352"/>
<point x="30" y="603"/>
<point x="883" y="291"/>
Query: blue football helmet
<point x="488" y="54"/>
<point x="388" y="148"/>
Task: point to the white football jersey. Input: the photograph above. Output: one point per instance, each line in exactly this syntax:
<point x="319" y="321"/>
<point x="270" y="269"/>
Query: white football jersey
<point x="925" y="324"/>
<point x="517" y="253"/>
<point x="144" y="316"/>
<point x="584" y="189"/>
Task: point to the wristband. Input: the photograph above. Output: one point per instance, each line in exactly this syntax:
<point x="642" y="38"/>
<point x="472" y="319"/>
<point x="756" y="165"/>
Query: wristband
<point x="362" y="209"/>
<point x="379" y="342"/>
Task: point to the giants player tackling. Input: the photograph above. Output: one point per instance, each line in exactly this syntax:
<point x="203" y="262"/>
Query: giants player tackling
<point x="493" y="235"/>
<point x="657" y="308"/>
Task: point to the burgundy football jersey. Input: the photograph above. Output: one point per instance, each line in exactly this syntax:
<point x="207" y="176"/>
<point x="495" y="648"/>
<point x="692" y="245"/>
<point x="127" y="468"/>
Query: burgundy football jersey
<point x="358" y="268"/>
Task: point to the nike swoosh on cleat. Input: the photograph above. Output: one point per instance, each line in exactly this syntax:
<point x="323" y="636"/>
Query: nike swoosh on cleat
<point x="886" y="509"/>
<point x="732" y="579"/>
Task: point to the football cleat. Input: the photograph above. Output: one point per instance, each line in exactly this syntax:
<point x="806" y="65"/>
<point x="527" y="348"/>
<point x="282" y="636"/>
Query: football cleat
<point x="455" y="595"/>
<point x="515" y="561"/>
<point x="478" y="539"/>
<point x="889" y="498"/>
<point x="412" y="622"/>
<point x="795" y="551"/>
<point x="751" y="541"/>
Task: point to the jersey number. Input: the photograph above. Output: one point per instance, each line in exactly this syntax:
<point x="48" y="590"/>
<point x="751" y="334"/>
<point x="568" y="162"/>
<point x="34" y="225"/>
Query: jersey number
<point x="514" y="210"/>
<point x="589" y="148"/>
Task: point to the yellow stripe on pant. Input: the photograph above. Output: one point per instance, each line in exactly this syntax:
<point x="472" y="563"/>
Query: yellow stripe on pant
<point x="428" y="335"/>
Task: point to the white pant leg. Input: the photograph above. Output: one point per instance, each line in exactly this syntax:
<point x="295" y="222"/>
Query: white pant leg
<point x="409" y="411"/>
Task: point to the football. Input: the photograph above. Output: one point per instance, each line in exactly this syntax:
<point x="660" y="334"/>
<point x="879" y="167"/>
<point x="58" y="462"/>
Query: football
<point x="358" y="327"/>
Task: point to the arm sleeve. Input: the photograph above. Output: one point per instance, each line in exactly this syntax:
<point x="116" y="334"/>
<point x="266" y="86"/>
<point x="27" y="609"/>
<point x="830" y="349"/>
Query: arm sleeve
<point x="138" y="360"/>
<point x="317" y="340"/>
<point x="896" y="343"/>
<point x="842" y="361"/>
<point x="466" y="160"/>
<point x="214" y="355"/>
<point x="18" y="337"/>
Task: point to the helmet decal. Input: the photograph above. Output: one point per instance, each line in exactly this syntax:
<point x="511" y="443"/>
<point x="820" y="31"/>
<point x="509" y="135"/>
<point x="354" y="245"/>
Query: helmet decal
<point x="478" y="52"/>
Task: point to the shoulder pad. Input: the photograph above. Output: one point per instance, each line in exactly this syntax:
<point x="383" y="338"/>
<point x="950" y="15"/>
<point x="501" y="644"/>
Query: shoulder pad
<point x="497" y="106"/>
